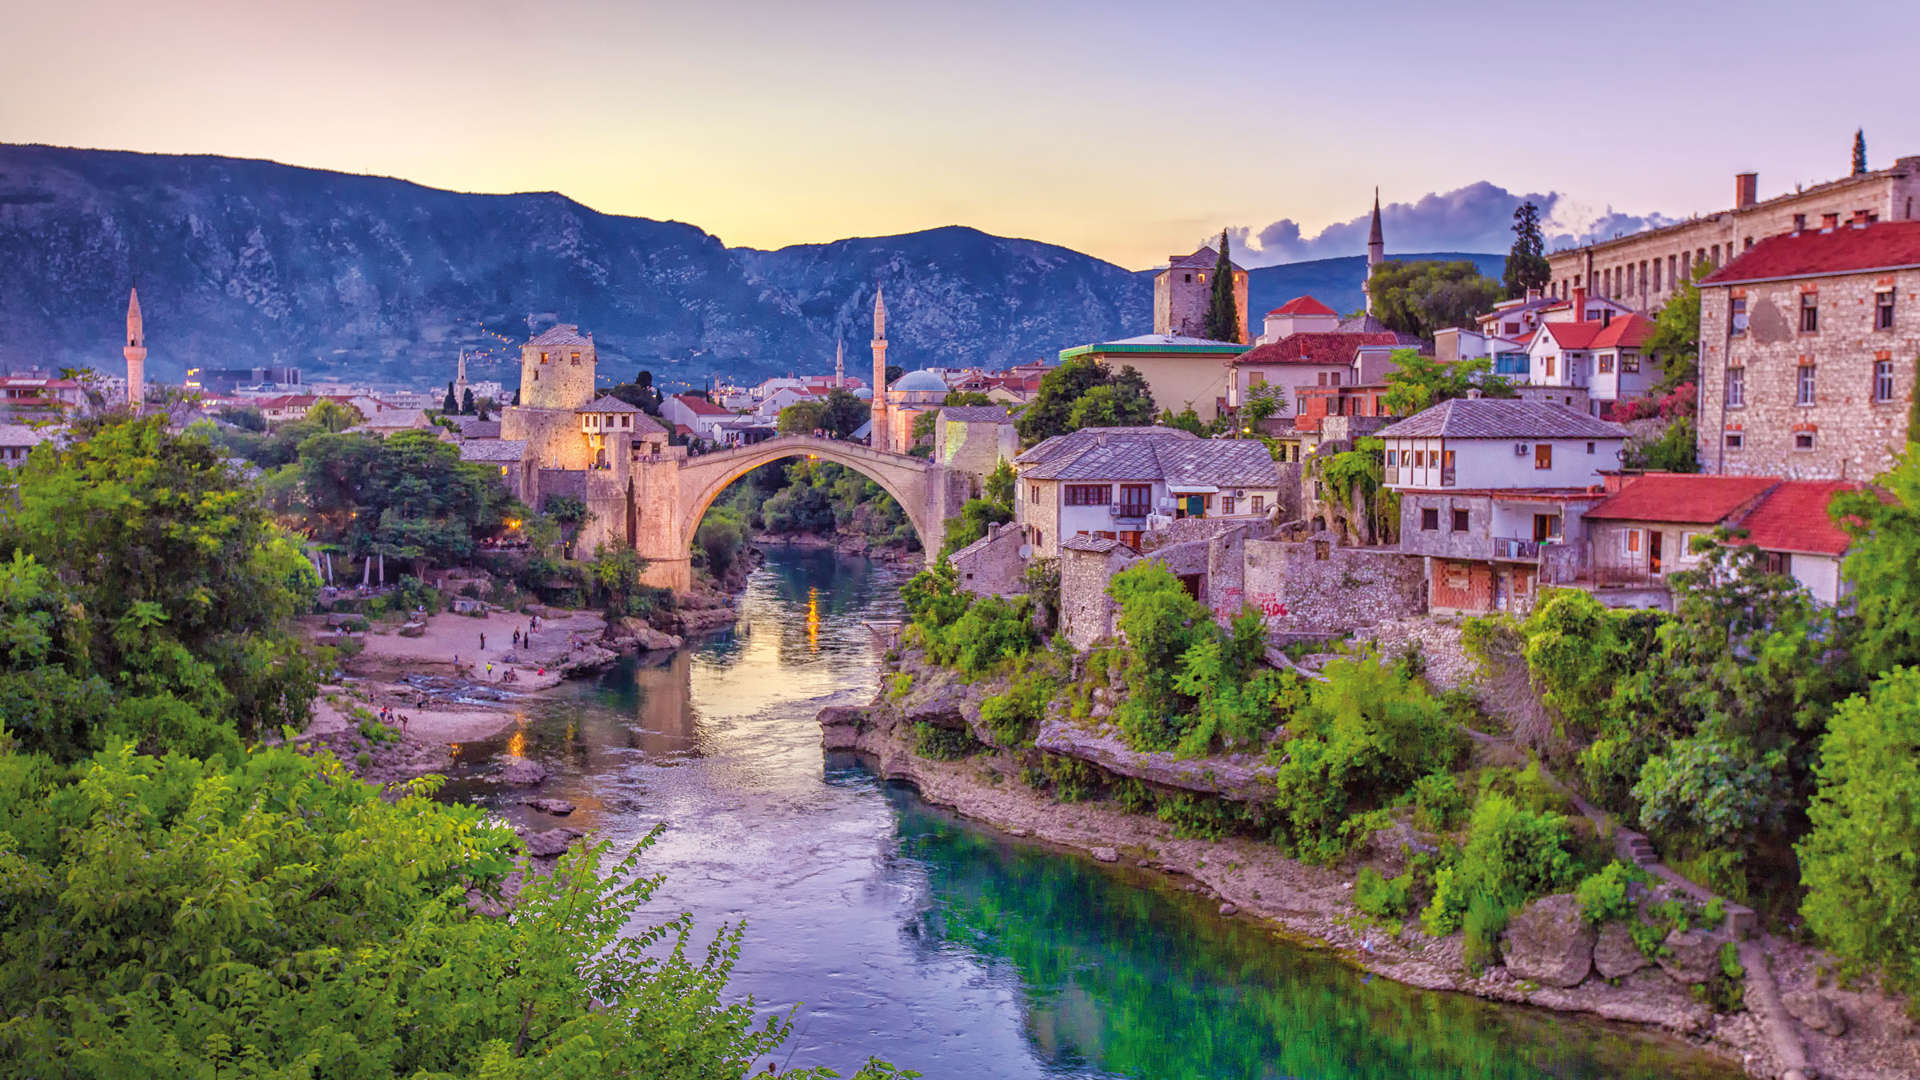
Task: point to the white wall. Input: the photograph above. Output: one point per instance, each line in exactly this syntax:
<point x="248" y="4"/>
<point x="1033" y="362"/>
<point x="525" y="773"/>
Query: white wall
<point x="1821" y="576"/>
<point x="1492" y="463"/>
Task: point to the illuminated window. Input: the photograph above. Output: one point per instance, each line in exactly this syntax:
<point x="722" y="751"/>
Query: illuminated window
<point x="1543" y="455"/>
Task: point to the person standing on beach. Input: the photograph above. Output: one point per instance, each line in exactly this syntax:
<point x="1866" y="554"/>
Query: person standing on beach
<point x="483" y="641"/>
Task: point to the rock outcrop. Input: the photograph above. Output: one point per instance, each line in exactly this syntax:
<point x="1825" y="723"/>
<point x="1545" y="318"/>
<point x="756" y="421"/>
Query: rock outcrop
<point x="1615" y="956"/>
<point x="634" y="634"/>
<point x="1817" y="1011"/>
<point x="523" y="773"/>
<point x="1242" y="776"/>
<point x="840" y="726"/>
<point x="1690" y="956"/>
<point x="1548" y="942"/>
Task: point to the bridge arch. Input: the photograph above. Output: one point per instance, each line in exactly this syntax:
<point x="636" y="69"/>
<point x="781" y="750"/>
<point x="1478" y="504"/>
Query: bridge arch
<point x="928" y="493"/>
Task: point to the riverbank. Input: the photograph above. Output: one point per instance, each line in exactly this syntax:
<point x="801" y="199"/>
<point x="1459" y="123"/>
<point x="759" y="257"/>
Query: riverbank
<point x="1313" y="906"/>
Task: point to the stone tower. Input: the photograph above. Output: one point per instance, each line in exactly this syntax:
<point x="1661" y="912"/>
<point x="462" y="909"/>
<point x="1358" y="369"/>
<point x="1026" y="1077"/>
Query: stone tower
<point x="840" y="364"/>
<point x="460" y="378"/>
<point x="557" y="369"/>
<point x="136" y="353"/>
<point x="878" y="437"/>
<point x="1183" y="292"/>
<point x="1376" y="248"/>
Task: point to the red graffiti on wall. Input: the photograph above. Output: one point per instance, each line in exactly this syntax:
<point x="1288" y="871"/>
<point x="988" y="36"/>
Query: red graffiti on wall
<point x="1269" y="605"/>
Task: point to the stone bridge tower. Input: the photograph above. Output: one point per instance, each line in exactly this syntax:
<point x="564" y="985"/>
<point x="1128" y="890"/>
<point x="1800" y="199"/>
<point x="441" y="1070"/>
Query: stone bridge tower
<point x="557" y="369"/>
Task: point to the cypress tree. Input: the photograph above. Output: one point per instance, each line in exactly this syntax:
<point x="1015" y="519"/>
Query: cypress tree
<point x="466" y="402"/>
<point x="450" y="406"/>
<point x="1223" y="314"/>
<point x="1859" y="151"/>
<point x="1527" y="266"/>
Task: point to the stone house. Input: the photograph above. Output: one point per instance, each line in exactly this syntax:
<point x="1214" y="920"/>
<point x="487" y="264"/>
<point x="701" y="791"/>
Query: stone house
<point x="1644" y="269"/>
<point x="16" y="442"/>
<point x="1647" y="529"/>
<point x="1118" y="483"/>
<point x="1605" y="357"/>
<point x="1183" y="292"/>
<point x="974" y="439"/>
<point x="1492" y="495"/>
<point x="702" y="417"/>
<point x="994" y="564"/>
<point x="1808" y="345"/>
<point x="1180" y="370"/>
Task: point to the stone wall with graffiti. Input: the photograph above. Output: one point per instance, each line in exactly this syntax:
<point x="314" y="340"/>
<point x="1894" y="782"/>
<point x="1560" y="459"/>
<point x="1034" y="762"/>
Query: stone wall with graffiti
<point x="1315" y="587"/>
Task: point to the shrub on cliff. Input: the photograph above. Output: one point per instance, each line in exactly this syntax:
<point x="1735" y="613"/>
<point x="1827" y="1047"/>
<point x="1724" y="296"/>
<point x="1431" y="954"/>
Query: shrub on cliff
<point x="1512" y="855"/>
<point x="1365" y="734"/>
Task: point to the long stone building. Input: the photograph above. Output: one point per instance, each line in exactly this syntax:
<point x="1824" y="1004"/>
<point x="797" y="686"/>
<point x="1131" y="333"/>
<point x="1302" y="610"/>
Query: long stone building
<point x="1644" y="269"/>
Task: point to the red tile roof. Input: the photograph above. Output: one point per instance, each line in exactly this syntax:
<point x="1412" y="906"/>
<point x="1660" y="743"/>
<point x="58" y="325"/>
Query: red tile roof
<point x="1884" y="245"/>
<point x="1316" y="347"/>
<point x="1303" y="305"/>
<point x="1573" y="335"/>
<point x="700" y="406"/>
<point x="1624" y="332"/>
<point x="1683" y="498"/>
<point x="1793" y="517"/>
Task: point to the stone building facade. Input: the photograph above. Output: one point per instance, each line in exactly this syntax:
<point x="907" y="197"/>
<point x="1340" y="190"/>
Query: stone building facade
<point x="1644" y="269"/>
<point x="1183" y="291"/>
<point x="1808" y="354"/>
<point x="974" y="439"/>
<point x="557" y="371"/>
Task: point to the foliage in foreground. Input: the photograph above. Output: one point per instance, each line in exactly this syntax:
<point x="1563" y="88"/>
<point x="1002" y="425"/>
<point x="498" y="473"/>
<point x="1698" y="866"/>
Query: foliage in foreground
<point x="169" y="916"/>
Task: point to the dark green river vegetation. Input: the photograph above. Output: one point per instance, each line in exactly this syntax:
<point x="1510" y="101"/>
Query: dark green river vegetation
<point x="902" y="931"/>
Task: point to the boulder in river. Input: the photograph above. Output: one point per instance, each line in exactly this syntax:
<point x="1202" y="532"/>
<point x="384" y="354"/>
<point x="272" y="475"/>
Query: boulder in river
<point x="1549" y="943"/>
<point x="556" y="807"/>
<point x="551" y="843"/>
<point x="644" y="636"/>
<point x="523" y="773"/>
<point x="1615" y="956"/>
<point x="1106" y="854"/>
<point x="840" y="726"/>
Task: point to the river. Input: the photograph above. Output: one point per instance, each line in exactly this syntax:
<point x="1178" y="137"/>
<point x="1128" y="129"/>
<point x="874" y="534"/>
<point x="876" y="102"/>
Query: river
<point x="904" y="932"/>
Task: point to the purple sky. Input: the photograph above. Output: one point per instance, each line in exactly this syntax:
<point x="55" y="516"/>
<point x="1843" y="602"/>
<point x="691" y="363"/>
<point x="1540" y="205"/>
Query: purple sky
<point x="1127" y="130"/>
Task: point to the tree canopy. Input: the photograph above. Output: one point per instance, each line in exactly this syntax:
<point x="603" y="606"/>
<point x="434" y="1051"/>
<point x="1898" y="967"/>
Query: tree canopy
<point x="1527" y="266"/>
<point x="1057" y="408"/>
<point x="1417" y="382"/>
<point x="1422" y="297"/>
<point x="839" y="414"/>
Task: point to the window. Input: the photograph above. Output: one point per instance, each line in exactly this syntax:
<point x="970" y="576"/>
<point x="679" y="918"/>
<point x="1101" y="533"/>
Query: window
<point x="1543" y="455"/>
<point x="1256" y="378"/>
<point x="1632" y="540"/>
<point x="1459" y="521"/>
<point x="1512" y="328"/>
<point x="1589" y="448"/>
<point x="1630" y="363"/>
<point x="1830" y="221"/>
<point x="536" y="374"/>
<point x="1736" y="440"/>
<point x="1033" y="493"/>
<point x="543" y="358"/>
<point x="1809" y="313"/>
<point x="1135" y="499"/>
<point x="1803" y="440"/>
<point x="1259" y="504"/>
<point x="1799" y="222"/>
<point x="1186" y="277"/>
<point x="1419" y="459"/>
<point x="1089" y="494"/>
<point x="1226" y="504"/>
<point x="1779" y="562"/>
<point x="1449" y="461"/>
<point x="1803" y="386"/>
<point x="1606" y="363"/>
<point x="626" y="421"/>
<point x="1429" y="518"/>
<point x="1336" y="379"/>
<point x="1883" y="380"/>
<point x="1392" y="458"/>
<point x="1883" y="310"/>
<point x="1736" y="387"/>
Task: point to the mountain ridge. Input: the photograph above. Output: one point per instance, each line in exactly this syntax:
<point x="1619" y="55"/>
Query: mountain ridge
<point x="244" y="261"/>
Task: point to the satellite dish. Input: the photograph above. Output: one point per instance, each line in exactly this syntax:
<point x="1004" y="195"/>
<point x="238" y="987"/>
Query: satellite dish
<point x="1026" y="551"/>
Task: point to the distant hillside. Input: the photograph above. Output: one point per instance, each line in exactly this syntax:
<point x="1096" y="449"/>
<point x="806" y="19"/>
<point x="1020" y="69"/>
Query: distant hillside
<point x="1338" y="283"/>
<point x="245" y="262"/>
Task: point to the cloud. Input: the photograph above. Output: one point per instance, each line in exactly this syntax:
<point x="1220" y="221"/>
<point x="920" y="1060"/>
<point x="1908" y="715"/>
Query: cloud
<point x="1478" y="217"/>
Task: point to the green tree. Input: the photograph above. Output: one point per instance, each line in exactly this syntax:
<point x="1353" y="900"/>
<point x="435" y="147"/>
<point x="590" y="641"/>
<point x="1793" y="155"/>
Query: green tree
<point x="1418" y="382"/>
<point x="184" y="587"/>
<point x="1859" y="151"/>
<point x="640" y="393"/>
<point x="1111" y="405"/>
<point x="1527" y="266"/>
<point x="1673" y="451"/>
<point x="450" y="404"/>
<point x="1262" y="402"/>
<point x="1883" y="565"/>
<point x="1061" y="389"/>
<point x="1675" y="339"/>
<point x="466" y="402"/>
<point x="1223" y="311"/>
<point x="1421" y="297"/>
<point x="999" y="485"/>
<point x="1860" y="863"/>
<point x="332" y="417"/>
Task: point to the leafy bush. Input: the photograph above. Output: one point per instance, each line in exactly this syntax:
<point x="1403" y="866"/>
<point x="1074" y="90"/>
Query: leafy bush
<point x="1205" y="817"/>
<point x="1705" y="792"/>
<point x="1485" y="919"/>
<point x="943" y="744"/>
<point x="1607" y="894"/>
<point x="899" y="685"/>
<point x="1383" y="897"/>
<point x="1438" y="801"/>
<point x="1511" y="856"/>
<point x="1364" y="735"/>
<point x="1070" y="779"/>
<point x="1160" y="621"/>
<point x="1013" y="714"/>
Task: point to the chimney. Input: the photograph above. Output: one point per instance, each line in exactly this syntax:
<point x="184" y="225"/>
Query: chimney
<point x="1473" y="394"/>
<point x="1746" y="190"/>
<point x="1579" y="303"/>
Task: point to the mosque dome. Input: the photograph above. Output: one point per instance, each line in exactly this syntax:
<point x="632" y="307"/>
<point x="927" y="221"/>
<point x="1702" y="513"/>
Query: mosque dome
<point x="921" y="381"/>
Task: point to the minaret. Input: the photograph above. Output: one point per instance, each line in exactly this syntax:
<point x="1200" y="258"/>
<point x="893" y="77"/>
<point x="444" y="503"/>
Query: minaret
<point x="460" y="378"/>
<point x="880" y="436"/>
<point x="1376" y="247"/>
<point x="136" y="353"/>
<point x="840" y="364"/>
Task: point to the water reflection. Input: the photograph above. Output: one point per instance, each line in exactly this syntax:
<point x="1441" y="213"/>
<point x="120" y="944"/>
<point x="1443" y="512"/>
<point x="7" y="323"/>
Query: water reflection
<point x="905" y="933"/>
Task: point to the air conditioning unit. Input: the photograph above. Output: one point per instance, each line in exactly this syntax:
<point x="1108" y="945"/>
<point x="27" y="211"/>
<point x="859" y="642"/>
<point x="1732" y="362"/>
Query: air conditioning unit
<point x="1239" y="493"/>
<point x="1519" y="449"/>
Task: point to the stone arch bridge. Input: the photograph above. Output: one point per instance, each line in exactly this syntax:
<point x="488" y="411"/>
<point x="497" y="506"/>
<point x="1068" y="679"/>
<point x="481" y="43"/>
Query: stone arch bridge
<point x="671" y="494"/>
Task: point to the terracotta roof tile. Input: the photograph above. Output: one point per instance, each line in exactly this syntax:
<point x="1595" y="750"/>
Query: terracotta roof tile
<point x="1847" y="249"/>
<point x="1315" y="347"/>
<point x="1683" y="498"/>
<point x="1793" y="517"/>
<point x="700" y="406"/>
<point x="1303" y="305"/>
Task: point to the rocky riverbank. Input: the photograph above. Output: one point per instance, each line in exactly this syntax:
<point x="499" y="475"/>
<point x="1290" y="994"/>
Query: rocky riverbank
<point x="1549" y="957"/>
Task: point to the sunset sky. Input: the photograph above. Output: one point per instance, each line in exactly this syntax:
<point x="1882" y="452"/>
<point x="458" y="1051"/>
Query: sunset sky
<point x="1127" y="130"/>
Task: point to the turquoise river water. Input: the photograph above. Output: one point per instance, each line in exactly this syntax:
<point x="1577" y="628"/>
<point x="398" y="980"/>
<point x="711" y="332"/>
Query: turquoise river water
<point x="904" y="932"/>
